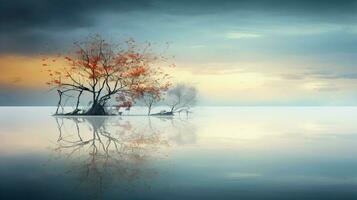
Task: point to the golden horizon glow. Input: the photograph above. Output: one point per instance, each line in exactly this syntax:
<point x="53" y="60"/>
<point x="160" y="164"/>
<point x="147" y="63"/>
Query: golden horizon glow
<point x="225" y="84"/>
<point x="23" y="71"/>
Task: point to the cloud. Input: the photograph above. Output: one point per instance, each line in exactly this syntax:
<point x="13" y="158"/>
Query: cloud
<point x="240" y="35"/>
<point x="197" y="46"/>
<point x="328" y="9"/>
<point x="27" y="25"/>
<point x="60" y="14"/>
<point x="319" y="75"/>
<point x="320" y="86"/>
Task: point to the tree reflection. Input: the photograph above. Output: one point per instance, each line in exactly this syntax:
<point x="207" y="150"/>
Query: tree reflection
<point x="107" y="151"/>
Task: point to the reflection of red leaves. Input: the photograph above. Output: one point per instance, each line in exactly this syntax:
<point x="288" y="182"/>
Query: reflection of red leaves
<point x="127" y="126"/>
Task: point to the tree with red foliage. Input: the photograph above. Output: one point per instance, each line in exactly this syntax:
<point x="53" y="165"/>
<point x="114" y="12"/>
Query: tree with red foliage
<point x="104" y="70"/>
<point x="154" y="94"/>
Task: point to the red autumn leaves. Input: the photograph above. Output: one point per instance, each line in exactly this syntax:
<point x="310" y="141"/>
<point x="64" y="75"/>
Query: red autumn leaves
<point x="103" y="70"/>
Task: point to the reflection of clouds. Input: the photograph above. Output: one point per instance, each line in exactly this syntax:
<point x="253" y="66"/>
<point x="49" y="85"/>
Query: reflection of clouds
<point x="320" y="130"/>
<point x="319" y="136"/>
<point x="241" y="175"/>
<point x="183" y="132"/>
<point x="179" y="131"/>
<point x="104" y="151"/>
<point x="236" y="125"/>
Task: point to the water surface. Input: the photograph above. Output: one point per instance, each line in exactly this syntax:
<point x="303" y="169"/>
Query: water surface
<point x="215" y="153"/>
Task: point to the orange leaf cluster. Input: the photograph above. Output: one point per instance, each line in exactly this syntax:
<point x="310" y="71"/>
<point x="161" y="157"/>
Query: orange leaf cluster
<point x="136" y="72"/>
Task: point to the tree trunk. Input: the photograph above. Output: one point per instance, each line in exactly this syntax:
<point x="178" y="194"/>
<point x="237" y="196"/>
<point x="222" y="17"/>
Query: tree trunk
<point x="96" y="109"/>
<point x="76" y="110"/>
<point x="149" y="109"/>
<point x="172" y="109"/>
<point x="59" y="101"/>
<point x="78" y="98"/>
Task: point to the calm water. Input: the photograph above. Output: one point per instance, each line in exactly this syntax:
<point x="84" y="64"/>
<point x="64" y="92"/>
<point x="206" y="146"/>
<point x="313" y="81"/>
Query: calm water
<point x="215" y="153"/>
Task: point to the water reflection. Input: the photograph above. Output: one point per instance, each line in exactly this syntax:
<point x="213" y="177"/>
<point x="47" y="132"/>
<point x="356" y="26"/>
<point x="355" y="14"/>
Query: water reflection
<point x="230" y="153"/>
<point x="103" y="152"/>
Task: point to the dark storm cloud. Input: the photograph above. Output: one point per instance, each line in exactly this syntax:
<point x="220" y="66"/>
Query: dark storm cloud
<point x="27" y="25"/>
<point x="59" y="14"/>
<point x="15" y="14"/>
<point x="24" y="41"/>
<point x="324" y="8"/>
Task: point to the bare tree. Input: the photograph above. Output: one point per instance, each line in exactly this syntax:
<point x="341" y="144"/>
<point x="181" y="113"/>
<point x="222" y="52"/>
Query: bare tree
<point x="181" y="98"/>
<point x="149" y="99"/>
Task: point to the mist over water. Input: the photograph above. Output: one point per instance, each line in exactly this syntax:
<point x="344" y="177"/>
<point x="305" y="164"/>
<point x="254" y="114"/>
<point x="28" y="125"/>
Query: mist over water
<point x="214" y="153"/>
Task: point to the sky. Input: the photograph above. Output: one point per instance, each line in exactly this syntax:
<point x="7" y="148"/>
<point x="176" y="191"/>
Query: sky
<point x="236" y="52"/>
